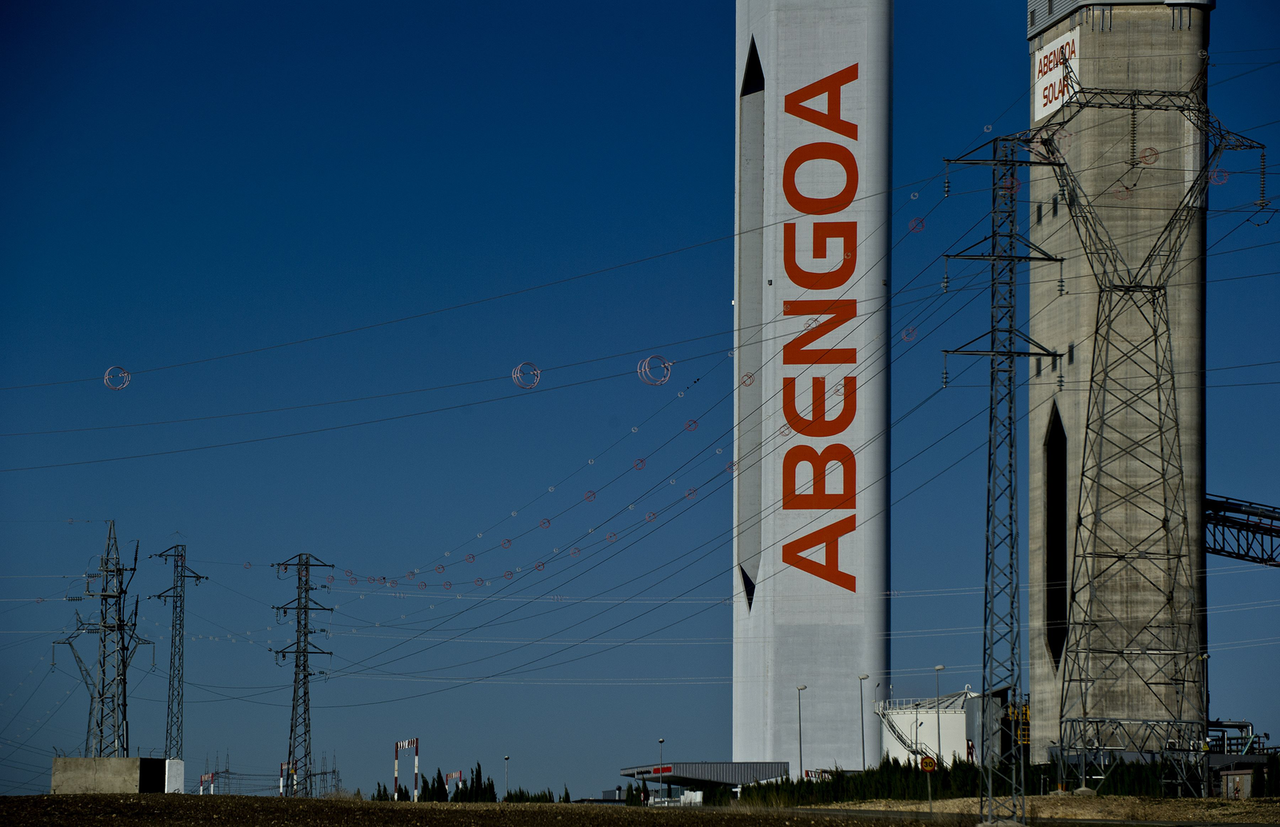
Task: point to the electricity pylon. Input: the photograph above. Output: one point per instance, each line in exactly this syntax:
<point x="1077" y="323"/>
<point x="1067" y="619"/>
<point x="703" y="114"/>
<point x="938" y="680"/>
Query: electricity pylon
<point x="177" y="593"/>
<point x="118" y="641"/>
<point x="1134" y="658"/>
<point x="1004" y="794"/>
<point x="299" y="758"/>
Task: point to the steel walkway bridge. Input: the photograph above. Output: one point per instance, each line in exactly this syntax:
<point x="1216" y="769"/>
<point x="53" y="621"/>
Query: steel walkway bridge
<point x="1242" y="530"/>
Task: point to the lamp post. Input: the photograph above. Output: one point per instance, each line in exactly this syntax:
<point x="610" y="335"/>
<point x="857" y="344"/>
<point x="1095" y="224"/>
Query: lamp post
<point x="875" y="699"/>
<point x="937" y="704"/>
<point x="662" y="741"/>
<point x="800" y="727"/>
<point x="506" y="777"/>
<point x="1204" y="711"/>
<point x="862" y="720"/>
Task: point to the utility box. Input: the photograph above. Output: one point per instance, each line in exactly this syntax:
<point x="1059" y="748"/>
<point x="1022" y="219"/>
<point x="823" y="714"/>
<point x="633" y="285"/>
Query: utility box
<point x="1237" y="783"/>
<point x="175" y="776"/>
<point x="77" y="776"/>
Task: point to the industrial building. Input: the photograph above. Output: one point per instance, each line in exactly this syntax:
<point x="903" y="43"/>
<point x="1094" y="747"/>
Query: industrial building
<point x="811" y="528"/>
<point x="948" y="727"/>
<point x="1116" y="420"/>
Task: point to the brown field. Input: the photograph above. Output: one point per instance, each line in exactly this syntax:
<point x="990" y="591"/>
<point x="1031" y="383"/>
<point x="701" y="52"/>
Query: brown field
<point x="1048" y="808"/>
<point x="229" y="811"/>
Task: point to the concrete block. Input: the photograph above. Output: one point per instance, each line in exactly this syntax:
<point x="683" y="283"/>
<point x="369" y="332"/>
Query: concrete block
<point x="78" y="776"/>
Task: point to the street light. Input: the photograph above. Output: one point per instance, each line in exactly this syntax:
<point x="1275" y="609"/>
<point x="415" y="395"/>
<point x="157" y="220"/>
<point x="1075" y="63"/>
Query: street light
<point x="800" y="727"/>
<point x="1204" y="712"/>
<point x="875" y="699"/>
<point x="506" y="777"/>
<point x="862" y="720"/>
<point x="937" y="705"/>
<point x="661" y="741"/>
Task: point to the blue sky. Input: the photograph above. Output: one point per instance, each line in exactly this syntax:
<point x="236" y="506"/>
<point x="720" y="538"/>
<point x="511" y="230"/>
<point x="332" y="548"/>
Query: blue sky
<point x="468" y="188"/>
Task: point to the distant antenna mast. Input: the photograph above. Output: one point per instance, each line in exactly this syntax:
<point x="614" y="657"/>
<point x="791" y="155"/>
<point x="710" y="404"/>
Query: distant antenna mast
<point x="176" y="593"/>
<point x="299" y="759"/>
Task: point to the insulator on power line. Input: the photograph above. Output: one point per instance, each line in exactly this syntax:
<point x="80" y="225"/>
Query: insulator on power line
<point x="1061" y="383"/>
<point x="944" y="377"/>
<point x="1062" y="284"/>
<point x="1262" y="182"/>
<point x="946" y="184"/>
<point x="946" y="278"/>
<point x="1133" y="137"/>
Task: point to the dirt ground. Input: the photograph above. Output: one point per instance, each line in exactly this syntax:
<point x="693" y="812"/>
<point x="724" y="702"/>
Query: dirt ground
<point x="229" y="811"/>
<point x="233" y="811"/>
<point x="1103" y="808"/>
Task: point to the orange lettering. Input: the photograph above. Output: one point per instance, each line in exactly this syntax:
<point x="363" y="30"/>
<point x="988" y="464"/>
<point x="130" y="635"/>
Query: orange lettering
<point x="841" y="311"/>
<point x="819" y="499"/>
<point x="813" y="152"/>
<point x="830" y="86"/>
<point x="829" y="537"/>
<point x="846" y="231"/>
<point x="820" y="426"/>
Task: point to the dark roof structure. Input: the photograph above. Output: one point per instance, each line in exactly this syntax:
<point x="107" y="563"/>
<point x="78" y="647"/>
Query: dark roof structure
<point x="707" y="773"/>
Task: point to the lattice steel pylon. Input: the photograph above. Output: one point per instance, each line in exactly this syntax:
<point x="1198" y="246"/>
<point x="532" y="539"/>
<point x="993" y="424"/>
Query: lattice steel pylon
<point x="177" y="593"/>
<point x="1004" y="794"/>
<point x="1133" y="662"/>
<point x="303" y="607"/>
<point x="322" y="779"/>
<point x="118" y="640"/>
<point x="86" y="674"/>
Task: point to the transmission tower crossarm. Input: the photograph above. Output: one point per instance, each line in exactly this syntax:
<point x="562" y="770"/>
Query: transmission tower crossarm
<point x="69" y="642"/>
<point x="976" y="158"/>
<point x="966" y="349"/>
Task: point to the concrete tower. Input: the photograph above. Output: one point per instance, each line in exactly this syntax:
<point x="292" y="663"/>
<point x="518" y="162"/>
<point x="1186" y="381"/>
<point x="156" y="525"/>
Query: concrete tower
<point x="1134" y="168"/>
<point x="811" y="492"/>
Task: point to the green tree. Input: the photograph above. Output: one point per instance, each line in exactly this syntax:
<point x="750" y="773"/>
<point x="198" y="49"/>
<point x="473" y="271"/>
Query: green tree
<point x="438" y="791"/>
<point x="564" y="797"/>
<point x="479" y="789"/>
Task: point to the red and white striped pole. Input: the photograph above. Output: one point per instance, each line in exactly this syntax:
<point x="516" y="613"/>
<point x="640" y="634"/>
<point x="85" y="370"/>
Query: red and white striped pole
<point x="395" y="776"/>
<point x="412" y="742"/>
<point x="282" y="766"/>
